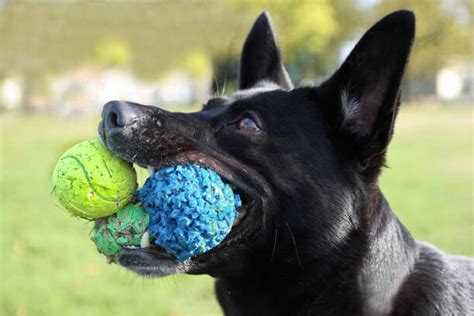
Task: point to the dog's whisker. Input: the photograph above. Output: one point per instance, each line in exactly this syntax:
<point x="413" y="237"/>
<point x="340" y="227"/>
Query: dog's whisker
<point x="294" y="244"/>
<point x="274" y="244"/>
<point x="159" y="165"/>
<point x="217" y="84"/>
<point x="225" y="83"/>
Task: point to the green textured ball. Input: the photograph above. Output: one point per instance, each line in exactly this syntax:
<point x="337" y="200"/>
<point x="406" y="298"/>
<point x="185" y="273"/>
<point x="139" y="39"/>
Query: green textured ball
<point x="125" y="228"/>
<point x="91" y="182"/>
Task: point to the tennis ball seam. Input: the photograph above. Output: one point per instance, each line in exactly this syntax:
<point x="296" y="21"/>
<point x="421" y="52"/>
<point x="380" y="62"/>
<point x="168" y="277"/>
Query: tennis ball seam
<point x="86" y="174"/>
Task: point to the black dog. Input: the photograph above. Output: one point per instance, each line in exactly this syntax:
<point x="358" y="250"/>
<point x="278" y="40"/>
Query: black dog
<point x="315" y="235"/>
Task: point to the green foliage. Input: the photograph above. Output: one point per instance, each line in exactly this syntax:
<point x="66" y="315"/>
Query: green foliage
<point x="109" y="53"/>
<point x="44" y="38"/>
<point x="304" y="29"/>
<point x="443" y="32"/>
<point x="197" y="63"/>
<point x="153" y="37"/>
<point x="50" y="267"/>
<point x="40" y="38"/>
<point x="304" y="24"/>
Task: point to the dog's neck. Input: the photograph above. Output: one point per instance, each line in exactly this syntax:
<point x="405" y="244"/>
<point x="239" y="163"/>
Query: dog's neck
<point x="389" y="259"/>
<point x="362" y="277"/>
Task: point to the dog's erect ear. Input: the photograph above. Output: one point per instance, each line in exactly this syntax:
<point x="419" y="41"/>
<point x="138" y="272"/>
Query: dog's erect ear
<point x="361" y="99"/>
<point x="261" y="58"/>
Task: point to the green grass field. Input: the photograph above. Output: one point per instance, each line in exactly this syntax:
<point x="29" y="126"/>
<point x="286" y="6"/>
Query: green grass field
<point x="49" y="267"/>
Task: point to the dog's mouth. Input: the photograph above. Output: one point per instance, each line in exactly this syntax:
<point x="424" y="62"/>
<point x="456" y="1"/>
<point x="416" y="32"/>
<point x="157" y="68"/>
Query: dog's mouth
<point x="151" y="259"/>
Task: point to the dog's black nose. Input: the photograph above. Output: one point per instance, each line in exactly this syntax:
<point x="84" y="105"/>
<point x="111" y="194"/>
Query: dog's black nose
<point x="118" y="114"/>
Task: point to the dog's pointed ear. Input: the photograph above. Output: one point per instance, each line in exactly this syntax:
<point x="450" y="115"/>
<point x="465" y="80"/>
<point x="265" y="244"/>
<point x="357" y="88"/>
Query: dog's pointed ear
<point x="361" y="99"/>
<point x="261" y="59"/>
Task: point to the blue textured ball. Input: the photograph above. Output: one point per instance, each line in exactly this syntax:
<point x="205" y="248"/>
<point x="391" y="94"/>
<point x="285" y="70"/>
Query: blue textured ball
<point x="191" y="209"/>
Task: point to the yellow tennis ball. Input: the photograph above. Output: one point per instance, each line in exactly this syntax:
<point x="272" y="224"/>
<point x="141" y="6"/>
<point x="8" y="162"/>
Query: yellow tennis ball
<point x="91" y="182"/>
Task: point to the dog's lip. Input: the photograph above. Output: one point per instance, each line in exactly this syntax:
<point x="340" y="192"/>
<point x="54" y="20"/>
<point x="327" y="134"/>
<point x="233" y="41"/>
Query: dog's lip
<point x="150" y="262"/>
<point x="238" y="231"/>
<point x="154" y="261"/>
<point x="105" y="135"/>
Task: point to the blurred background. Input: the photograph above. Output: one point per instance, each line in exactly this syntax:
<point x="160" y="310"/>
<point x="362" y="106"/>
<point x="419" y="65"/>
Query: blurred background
<point x="60" y="61"/>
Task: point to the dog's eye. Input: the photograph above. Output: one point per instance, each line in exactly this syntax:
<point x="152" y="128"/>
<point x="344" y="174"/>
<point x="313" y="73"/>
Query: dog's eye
<point x="248" y="125"/>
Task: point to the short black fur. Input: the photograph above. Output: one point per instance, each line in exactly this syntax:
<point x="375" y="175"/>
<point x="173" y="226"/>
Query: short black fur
<point x="317" y="237"/>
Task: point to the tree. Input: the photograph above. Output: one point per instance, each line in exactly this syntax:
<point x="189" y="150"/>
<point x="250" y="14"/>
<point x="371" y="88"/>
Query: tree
<point x="40" y="39"/>
<point x="310" y="32"/>
<point x="443" y="32"/>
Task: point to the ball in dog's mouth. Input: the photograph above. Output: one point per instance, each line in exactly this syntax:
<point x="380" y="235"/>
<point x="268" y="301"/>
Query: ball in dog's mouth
<point x="154" y="241"/>
<point x="245" y="200"/>
<point x="191" y="209"/>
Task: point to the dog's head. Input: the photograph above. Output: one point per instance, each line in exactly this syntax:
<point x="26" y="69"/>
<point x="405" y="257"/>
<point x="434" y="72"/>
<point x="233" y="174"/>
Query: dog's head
<point x="304" y="160"/>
